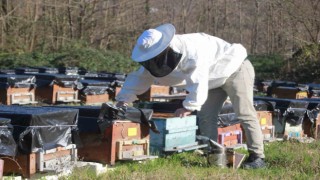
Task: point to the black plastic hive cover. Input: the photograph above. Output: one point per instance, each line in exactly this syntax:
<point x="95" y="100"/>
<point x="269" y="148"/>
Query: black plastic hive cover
<point x="19" y="81"/>
<point x="89" y="74"/>
<point x="82" y="71"/>
<point x="94" y="90"/>
<point x="295" y="116"/>
<point x="7" y="71"/>
<point x="91" y="82"/>
<point x="106" y="74"/>
<point x="51" y="70"/>
<point x="101" y="78"/>
<point x="94" y="87"/>
<point x="87" y="111"/>
<point x="298" y="104"/>
<point x="8" y="146"/>
<point x="47" y="79"/>
<point x="24" y="70"/>
<point x="88" y="116"/>
<point x="228" y="119"/>
<point x="120" y="76"/>
<point x="41" y="127"/>
<point x="110" y="113"/>
<point x="284" y="104"/>
<point x="166" y="107"/>
<point x="13" y="78"/>
<point x="313" y="86"/>
<point x="226" y="108"/>
<point x="111" y="76"/>
<point x="277" y="83"/>
<point x="68" y="70"/>
<point x="88" y="125"/>
<point x="262" y="105"/>
<point x="57" y="77"/>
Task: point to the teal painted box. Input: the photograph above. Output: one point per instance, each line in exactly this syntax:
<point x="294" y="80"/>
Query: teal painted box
<point x="175" y="133"/>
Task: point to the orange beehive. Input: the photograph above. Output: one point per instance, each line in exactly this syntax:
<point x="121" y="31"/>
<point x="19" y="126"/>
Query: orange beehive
<point x="312" y="129"/>
<point x="114" y="92"/>
<point x="92" y="99"/>
<point x="17" y="89"/>
<point x="107" y="139"/>
<point x="265" y="120"/>
<point x="12" y="95"/>
<point x="289" y="93"/>
<point x="122" y="140"/>
<point x="54" y="88"/>
<point x="94" y="92"/>
<point x="230" y="135"/>
<point x="29" y="164"/>
<point x="153" y="91"/>
<point x="56" y="93"/>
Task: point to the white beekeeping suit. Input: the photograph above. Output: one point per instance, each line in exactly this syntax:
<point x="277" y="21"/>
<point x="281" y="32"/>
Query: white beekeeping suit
<point x="199" y="51"/>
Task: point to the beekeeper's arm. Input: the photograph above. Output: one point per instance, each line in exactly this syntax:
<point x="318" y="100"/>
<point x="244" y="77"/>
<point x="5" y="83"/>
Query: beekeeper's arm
<point x="135" y="84"/>
<point x="197" y="74"/>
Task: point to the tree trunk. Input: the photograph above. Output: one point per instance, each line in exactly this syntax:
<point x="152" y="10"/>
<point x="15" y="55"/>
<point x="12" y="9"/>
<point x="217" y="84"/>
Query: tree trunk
<point x="34" y="25"/>
<point x="71" y="28"/>
<point x="254" y="32"/>
<point x="240" y="21"/>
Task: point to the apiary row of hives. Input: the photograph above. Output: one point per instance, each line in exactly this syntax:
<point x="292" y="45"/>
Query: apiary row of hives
<point x="40" y="138"/>
<point x="50" y="86"/>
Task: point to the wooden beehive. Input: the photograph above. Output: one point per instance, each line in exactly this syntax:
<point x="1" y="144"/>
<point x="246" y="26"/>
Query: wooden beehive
<point x="122" y="140"/>
<point x="268" y="132"/>
<point x="175" y="133"/>
<point x="265" y="118"/>
<point x="93" y="99"/>
<point x="24" y="165"/>
<point x="293" y="131"/>
<point x="312" y="129"/>
<point x="230" y="135"/>
<point x="154" y="90"/>
<point x="266" y="122"/>
<point x="289" y="93"/>
<point x="56" y="93"/>
<point x="29" y="164"/>
<point x="316" y="127"/>
<point x="294" y="119"/>
<point x="94" y="92"/>
<point x="39" y="132"/>
<point x="12" y="95"/>
<point x="17" y="89"/>
<point x="314" y="90"/>
<point x="114" y="93"/>
<point x="314" y="93"/>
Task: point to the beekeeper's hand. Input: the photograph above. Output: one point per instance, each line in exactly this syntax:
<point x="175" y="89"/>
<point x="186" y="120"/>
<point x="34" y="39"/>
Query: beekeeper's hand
<point x="121" y="104"/>
<point x="182" y="112"/>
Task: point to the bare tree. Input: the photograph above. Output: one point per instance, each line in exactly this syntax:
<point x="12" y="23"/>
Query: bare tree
<point x="272" y="26"/>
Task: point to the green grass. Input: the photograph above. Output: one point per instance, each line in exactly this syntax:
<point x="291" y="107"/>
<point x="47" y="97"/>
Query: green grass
<point x="285" y="160"/>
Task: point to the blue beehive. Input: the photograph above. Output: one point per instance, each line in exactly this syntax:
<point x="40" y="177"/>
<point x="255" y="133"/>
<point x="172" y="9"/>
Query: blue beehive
<point x="176" y="134"/>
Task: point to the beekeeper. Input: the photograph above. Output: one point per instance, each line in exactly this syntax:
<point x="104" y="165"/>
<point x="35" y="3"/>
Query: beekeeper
<point x="209" y="68"/>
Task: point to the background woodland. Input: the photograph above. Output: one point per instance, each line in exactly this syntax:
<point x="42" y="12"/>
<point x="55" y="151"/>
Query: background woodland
<point x="280" y="35"/>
